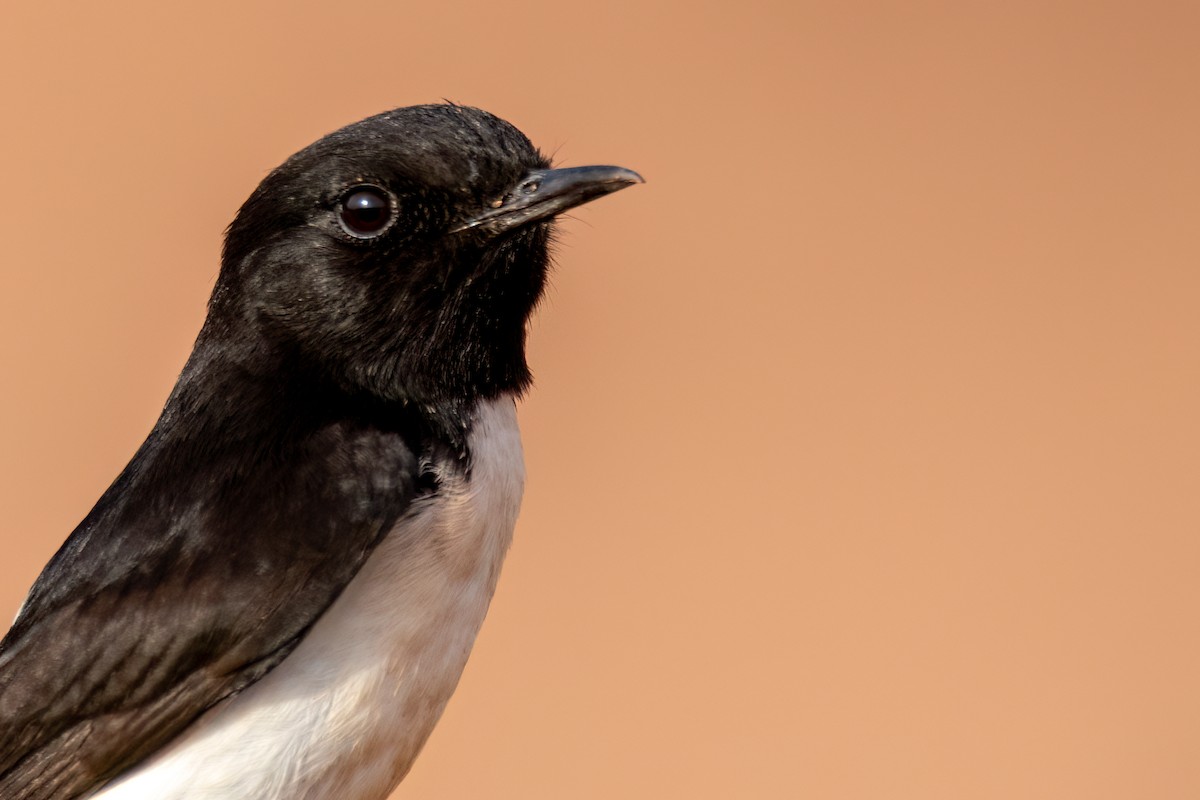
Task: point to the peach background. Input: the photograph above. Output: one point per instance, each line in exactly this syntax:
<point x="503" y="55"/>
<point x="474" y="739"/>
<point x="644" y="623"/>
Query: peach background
<point x="864" y="456"/>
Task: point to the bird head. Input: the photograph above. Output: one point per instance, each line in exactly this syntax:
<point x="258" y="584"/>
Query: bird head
<point x="399" y="257"/>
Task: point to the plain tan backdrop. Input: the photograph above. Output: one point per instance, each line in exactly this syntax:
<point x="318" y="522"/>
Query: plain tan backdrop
<point x="864" y="458"/>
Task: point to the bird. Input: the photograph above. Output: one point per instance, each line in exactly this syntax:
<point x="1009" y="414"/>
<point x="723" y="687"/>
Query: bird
<point x="277" y="596"/>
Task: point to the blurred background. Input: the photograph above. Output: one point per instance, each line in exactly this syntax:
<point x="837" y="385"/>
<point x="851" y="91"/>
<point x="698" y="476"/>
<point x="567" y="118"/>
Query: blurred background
<point x="863" y="457"/>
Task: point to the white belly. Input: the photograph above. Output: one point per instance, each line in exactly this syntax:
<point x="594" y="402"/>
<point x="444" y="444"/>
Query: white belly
<point x="346" y="713"/>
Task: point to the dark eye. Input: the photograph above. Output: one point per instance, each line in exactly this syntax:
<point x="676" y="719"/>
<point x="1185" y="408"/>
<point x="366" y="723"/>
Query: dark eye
<point x="365" y="211"/>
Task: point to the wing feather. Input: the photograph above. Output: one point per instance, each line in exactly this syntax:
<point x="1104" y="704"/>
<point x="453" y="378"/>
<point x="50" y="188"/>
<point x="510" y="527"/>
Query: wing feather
<point x="197" y="572"/>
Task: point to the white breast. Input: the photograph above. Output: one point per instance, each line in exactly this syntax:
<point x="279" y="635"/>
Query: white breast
<point x="347" y="712"/>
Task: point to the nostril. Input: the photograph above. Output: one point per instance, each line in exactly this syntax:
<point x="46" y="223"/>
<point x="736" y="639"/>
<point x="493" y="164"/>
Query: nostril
<point x="530" y="186"/>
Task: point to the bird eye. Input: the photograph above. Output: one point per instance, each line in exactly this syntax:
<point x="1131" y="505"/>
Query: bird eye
<point x="365" y="211"/>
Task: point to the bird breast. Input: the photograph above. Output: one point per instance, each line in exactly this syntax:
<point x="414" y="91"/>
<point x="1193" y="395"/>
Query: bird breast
<point x="346" y="713"/>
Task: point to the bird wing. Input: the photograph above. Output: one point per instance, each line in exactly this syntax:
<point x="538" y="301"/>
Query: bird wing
<point x="183" y="586"/>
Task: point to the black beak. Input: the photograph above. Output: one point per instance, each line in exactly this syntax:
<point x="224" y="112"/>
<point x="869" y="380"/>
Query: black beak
<point x="546" y="193"/>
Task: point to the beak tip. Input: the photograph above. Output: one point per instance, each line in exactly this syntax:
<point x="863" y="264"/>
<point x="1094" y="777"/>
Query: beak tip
<point x="629" y="176"/>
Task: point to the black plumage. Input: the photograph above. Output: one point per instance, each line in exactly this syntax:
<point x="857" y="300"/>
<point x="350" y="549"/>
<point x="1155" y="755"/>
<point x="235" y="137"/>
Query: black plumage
<point x="347" y="337"/>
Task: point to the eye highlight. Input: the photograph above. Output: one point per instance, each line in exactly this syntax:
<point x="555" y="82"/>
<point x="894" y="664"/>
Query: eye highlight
<point x="365" y="211"/>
